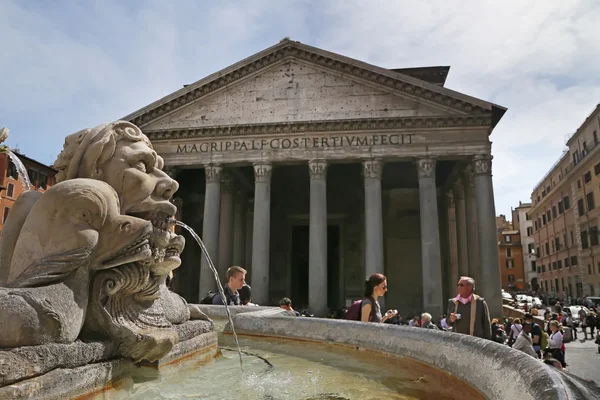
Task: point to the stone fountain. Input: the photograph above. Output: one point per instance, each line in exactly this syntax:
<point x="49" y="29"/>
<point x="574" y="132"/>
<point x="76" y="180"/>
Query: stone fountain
<point x="83" y="270"/>
<point x="84" y="300"/>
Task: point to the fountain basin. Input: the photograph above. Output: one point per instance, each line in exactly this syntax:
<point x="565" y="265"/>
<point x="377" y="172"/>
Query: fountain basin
<point x="494" y="370"/>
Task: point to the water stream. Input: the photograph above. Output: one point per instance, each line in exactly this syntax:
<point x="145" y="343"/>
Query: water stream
<point x="219" y="286"/>
<point x="21" y="170"/>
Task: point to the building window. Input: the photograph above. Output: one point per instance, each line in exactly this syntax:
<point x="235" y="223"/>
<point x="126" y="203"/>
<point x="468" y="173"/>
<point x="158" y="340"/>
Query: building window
<point x="595" y="136"/>
<point x="33" y="177"/>
<point x="589" y="269"/>
<point x="535" y="225"/>
<point x="547" y="248"/>
<point x="10" y="190"/>
<point x="533" y="267"/>
<point x="529" y="231"/>
<point x="507" y="238"/>
<point x="544" y="219"/>
<point x="527" y="217"/>
<point x="511" y="278"/>
<point x="557" y="243"/>
<point x="560" y="207"/>
<point x="553" y="211"/>
<point x="594" y="236"/>
<point x="587" y="178"/>
<point x="508" y="252"/>
<point x="537" y="252"/>
<point x="567" y="202"/>
<point x="559" y="263"/>
<point x="530" y="248"/>
<point x="43" y="181"/>
<point x="548" y="216"/>
<point x="590" y="201"/>
<point x="573" y="260"/>
<point x="11" y="172"/>
<point x="565" y="240"/>
<point x="567" y="262"/>
<point x="572" y="240"/>
<point x="510" y="264"/>
<point x="5" y="214"/>
<point x="543" y="267"/>
<point x="580" y="207"/>
<point x="578" y="183"/>
<point x="584" y="239"/>
<point x="597" y="169"/>
<point x="554" y="265"/>
<point x="546" y="286"/>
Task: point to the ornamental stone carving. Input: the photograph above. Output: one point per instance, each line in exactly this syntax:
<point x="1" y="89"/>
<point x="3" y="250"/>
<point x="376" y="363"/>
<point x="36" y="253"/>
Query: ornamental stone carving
<point x="212" y="173"/>
<point x="48" y="284"/>
<point x="459" y="190"/>
<point x="317" y="169"/>
<point x="482" y="164"/>
<point x="426" y="168"/>
<point x="262" y="172"/>
<point x="227" y="181"/>
<point x="372" y="168"/>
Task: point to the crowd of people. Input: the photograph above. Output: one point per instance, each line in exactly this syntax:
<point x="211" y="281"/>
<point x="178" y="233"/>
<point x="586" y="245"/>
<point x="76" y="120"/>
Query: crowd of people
<point x="467" y="313"/>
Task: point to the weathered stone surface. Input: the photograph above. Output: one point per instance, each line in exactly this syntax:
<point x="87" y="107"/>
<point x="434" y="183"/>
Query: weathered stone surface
<point x="61" y="370"/>
<point x="66" y="383"/>
<point x="220" y="312"/>
<point x="497" y="371"/>
<point x="48" y="282"/>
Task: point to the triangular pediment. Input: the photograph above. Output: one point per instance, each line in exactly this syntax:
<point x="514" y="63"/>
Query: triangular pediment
<point x="292" y="82"/>
<point x="294" y="91"/>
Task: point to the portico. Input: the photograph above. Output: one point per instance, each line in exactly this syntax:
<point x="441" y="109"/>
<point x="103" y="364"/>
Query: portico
<point x="313" y="171"/>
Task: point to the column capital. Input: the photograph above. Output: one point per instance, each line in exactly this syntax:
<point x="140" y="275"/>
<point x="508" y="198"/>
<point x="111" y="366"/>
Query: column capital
<point x="317" y="169"/>
<point x="450" y="199"/>
<point x="426" y="167"/>
<point x="482" y="164"/>
<point x="459" y="190"/>
<point x="469" y="176"/>
<point x="212" y="172"/>
<point x="263" y="172"/>
<point x="372" y="168"/>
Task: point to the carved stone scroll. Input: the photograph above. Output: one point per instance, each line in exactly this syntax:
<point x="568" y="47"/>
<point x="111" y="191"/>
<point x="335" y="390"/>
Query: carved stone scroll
<point x="426" y="167"/>
<point x="372" y="168"/>
<point x="317" y="169"/>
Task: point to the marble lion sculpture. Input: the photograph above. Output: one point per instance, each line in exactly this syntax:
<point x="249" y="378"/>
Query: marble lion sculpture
<point x="74" y="229"/>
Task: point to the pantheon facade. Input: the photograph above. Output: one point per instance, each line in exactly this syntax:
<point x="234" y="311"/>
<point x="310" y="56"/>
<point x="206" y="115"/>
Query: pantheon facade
<point x="313" y="170"/>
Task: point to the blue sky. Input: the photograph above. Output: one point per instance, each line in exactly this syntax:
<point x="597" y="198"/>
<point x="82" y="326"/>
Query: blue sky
<point x="67" y="65"/>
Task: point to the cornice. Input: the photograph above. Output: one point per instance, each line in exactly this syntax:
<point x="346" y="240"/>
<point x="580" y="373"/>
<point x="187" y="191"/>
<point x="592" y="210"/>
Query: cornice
<point x="343" y="125"/>
<point x="383" y="78"/>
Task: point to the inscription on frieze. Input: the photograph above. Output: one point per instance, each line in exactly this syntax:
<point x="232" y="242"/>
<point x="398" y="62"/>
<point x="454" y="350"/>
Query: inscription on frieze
<point x="396" y="139"/>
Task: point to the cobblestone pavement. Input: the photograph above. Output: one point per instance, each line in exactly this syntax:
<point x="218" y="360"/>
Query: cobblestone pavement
<point x="583" y="358"/>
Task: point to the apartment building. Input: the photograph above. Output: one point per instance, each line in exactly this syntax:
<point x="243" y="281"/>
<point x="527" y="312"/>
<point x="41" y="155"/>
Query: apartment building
<point x="41" y="176"/>
<point x="510" y="253"/>
<point x="524" y="224"/>
<point x="565" y="217"/>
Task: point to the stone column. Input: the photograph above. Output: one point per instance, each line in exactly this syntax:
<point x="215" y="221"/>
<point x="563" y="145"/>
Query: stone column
<point x="317" y="254"/>
<point x="471" y="222"/>
<point x="490" y="287"/>
<point x="210" y="227"/>
<point x="226" y="225"/>
<point x="261" y="233"/>
<point x="452" y="244"/>
<point x="461" y="229"/>
<point x="430" y="238"/>
<point x="372" y="170"/>
<point x="239" y="228"/>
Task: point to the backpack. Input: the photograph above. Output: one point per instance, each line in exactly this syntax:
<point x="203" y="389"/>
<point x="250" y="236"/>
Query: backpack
<point x="208" y="298"/>
<point x="544" y="340"/>
<point x="353" y="312"/>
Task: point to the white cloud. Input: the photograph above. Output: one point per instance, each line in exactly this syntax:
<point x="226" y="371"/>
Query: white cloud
<point x="71" y="65"/>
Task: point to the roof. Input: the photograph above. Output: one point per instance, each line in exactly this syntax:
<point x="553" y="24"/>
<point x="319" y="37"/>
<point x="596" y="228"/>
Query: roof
<point x="425" y="87"/>
<point x="588" y="119"/>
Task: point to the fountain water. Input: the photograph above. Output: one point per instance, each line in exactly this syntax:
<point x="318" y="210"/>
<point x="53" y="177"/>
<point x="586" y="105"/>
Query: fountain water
<point x="219" y="286"/>
<point x="21" y="170"/>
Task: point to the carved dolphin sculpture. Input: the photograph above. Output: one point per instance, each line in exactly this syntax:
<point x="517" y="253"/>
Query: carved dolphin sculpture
<point x="74" y="229"/>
